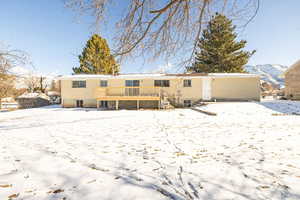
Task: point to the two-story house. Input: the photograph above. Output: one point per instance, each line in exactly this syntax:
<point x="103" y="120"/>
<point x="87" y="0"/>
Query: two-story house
<point x="156" y="90"/>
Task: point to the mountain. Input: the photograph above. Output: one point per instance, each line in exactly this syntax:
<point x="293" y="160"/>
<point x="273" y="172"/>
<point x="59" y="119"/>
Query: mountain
<point x="270" y="73"/>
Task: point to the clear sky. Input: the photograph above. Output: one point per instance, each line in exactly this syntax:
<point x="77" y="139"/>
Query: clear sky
<point x="53" y="35"/>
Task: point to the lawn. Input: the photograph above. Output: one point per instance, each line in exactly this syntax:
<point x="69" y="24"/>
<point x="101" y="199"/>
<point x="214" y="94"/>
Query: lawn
<point x="248" y="151"/>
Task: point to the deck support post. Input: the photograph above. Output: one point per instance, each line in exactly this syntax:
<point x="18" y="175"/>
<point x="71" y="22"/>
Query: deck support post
<point x="138" y="104"/>
<point x="117" y="104"/>
<point x="159" y="104"/>
<point x="97" y="104"/>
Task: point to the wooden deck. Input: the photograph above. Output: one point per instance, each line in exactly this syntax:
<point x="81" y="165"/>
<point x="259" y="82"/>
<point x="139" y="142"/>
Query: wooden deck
<point x="128" y="98"/>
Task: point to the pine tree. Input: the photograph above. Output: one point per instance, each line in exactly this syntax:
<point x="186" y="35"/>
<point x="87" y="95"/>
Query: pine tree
<point x="96" y="58"/>
<point x="218" y="49"/>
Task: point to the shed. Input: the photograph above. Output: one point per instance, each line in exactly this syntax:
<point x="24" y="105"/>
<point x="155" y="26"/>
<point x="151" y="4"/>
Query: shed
<point x="33" y="100"/>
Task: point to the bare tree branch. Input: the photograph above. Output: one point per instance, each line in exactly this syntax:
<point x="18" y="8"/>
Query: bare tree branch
<point x="164" y="28"/>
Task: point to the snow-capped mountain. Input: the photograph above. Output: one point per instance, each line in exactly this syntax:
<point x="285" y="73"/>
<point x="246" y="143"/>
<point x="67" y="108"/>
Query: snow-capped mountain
<point x="270" y="73"/>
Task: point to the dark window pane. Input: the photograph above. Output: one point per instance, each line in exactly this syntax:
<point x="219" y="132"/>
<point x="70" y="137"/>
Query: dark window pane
<point x="157" y="83"/>
<point x="187" y="103"/>
<point x="78" y="84"/>
<point x="161" y="83"/>
<point x="187" y="83"/>
<point x="166" y="83"/>
<point x="132" y="83"/>
<point x="136" y="83"/>
<point x="128" y="83"/>
<point x="103" y="83"/>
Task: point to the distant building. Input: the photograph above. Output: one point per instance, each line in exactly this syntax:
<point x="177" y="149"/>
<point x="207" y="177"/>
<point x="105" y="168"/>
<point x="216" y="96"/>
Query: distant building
<point x="292" y="82"/>
<point x="33" y="100"/>
<point x="8" y="103"/>
<point x="156" y="90"/>
<point x="54" y="97"/>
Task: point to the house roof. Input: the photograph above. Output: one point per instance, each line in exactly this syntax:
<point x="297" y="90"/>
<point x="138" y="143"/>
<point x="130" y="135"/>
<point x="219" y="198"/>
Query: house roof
<point x="296" y="64"/>
<point x="157" y="76"/>
<point x="33" y="95"/>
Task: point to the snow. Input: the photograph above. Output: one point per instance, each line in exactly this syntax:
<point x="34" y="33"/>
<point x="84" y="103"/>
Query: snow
<point x="245" y="152"/>
<point x="33" y="95"/>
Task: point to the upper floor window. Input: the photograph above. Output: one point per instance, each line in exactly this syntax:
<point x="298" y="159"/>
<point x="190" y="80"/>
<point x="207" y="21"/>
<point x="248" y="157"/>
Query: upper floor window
<point x="132" y="83"/>
<point x="78" y="84"/>
<point x="103" y="83"/>
<point x="162" y="83"/>
<point x="187" y="83"/>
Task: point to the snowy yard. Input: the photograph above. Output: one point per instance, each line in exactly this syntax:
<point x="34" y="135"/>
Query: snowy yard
<point x="245" y="152"/>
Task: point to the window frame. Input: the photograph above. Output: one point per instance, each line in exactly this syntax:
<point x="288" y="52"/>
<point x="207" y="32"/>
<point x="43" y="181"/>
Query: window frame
<point x="104" y="81"/>
<point x="132" y="83"/>
<point x="79" y="85"/>
<point x="187" y="103"/>
<point x="187" y="83"/>
<point x="162" y="83"/>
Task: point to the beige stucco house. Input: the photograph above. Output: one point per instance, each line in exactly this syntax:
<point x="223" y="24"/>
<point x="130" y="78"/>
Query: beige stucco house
<point x="156" y="90"/>
<point x="292" y="82"/>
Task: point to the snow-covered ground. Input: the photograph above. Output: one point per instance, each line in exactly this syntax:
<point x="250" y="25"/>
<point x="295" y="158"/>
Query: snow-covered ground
<point x="245" y="152"/>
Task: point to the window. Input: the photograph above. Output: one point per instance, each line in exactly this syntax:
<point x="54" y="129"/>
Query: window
<point x="162" y="83"/>
<point x="103" y="83"/>
<point x="187" y="83"/>
<point x="187" y="103"/>
<point x="78" y="84"/>
<point x="132" y="83"/>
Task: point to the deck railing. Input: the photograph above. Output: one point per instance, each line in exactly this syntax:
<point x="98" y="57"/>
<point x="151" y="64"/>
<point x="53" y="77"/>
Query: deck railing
<point x="127" y="91"/>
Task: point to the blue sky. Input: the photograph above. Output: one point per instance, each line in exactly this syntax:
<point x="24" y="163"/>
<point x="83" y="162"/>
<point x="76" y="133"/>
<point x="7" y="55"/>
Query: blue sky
<point x="53" y="35"/>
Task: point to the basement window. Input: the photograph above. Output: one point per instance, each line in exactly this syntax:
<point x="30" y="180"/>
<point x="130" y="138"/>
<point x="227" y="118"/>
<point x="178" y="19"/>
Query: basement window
<point x="187" y="103"/>
<point x="162" y="83"/>
<point x="187" y="83"/>
<point x="103" y="83"/>
<point x="78" y="84"/>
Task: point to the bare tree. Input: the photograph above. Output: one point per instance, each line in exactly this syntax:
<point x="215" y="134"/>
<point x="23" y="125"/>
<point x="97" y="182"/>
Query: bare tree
<point x="163" y="28"/>
<point x="36" y="83"/>
<point x="8" y="60"/>
<point x="43" y="84"/>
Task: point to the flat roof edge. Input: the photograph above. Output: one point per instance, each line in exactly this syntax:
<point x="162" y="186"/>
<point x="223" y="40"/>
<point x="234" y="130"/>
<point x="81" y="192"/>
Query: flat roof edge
<point x="157" y="76"/>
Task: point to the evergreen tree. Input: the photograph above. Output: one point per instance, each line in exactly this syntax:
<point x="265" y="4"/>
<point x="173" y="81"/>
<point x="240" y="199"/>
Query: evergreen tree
<point x="218" y="49"/>
<point x="96" y="58"/>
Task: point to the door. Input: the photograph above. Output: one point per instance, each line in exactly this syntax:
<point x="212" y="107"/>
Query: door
<point x="206" y="89"/>
<point x="104" y="104"/>
<point x="79" y="103"/>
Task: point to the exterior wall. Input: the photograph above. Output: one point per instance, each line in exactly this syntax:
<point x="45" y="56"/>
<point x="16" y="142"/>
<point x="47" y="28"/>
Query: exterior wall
<point x="69" y="95"/>
<point x="292" y="83"/>
<point x="176" y="92"/>
<point x="223" y="88"/>
<point x="236" y="88"/>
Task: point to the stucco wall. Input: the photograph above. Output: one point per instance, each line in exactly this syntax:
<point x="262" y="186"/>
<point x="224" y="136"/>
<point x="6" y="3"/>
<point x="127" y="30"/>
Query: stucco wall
<point x="292" y="83"/>
<point x="236" y="88"/>
<point x="176" y="92"/>
<point x="224" y="88"/>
